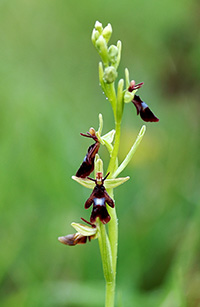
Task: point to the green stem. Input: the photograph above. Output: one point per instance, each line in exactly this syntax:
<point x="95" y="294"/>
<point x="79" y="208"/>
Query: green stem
<point x="110" y="294"/>
<point x="112" y="165"/>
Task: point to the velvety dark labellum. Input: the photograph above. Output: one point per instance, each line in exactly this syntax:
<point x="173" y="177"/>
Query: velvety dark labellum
<point x="99" y="198"/>
<point x="142" y="108"/>
<point x="87" y="166"/>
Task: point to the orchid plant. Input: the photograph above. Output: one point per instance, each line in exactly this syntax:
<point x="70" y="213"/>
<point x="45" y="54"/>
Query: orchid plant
<point x="103" y="224"/>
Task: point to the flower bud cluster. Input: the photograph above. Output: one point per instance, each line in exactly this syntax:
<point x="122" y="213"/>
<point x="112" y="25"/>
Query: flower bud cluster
<point x="110" y="55"/>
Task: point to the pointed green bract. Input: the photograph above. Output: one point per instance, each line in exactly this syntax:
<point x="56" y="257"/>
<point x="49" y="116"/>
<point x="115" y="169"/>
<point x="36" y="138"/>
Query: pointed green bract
<point x="131" y="152"/>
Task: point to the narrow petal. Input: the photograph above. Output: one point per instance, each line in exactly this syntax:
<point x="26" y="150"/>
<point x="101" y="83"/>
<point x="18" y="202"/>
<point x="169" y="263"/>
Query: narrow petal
<point x="109" y="200"/>
<point x="89" y="201"/>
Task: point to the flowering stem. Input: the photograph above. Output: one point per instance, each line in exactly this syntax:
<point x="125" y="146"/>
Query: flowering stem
<point x="112" y="229"/>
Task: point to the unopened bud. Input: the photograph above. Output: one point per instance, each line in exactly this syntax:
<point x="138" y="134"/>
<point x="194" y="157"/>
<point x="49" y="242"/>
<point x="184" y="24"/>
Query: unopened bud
<point x="98" y="26"/>
<point x="113" y="53"/>
<point x="107" y="32"/>
<point x="101" y="46"/>
<point x="92" y="131"/>
<point x="95" y="36"/>
<point x="110" y="74"/>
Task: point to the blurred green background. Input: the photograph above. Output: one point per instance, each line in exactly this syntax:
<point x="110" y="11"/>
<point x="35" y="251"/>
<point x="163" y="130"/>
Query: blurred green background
<point x="49" y="93"/>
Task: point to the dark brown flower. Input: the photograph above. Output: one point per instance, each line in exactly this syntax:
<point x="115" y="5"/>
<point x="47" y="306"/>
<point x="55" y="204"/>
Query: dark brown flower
<point x="99" y="198"/>
<point x="87" y="166"/>
<point x="142" y="108"/>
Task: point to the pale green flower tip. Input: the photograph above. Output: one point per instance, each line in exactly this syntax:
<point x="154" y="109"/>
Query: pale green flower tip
<point x="84" y="230"/>
<point x="98" y="26"/>
<point x="113" y="54"/>
<point x="143" y="130"/>
<point x="99" y="166"/>
<point x="121" y="83"/>
<point x="127" y="77"/>
<point x="110" y="74"/>
<point x="119" y="46"/>
<point x="100" y="125"/>
<point x="128" y="96"/>
<point x="101" y="44"/>
<point x="107" y="32"/>
<point x="95" y="36"/>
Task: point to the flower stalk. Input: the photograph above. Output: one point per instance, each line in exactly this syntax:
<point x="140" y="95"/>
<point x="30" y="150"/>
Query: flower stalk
<point x="102" y="196"/>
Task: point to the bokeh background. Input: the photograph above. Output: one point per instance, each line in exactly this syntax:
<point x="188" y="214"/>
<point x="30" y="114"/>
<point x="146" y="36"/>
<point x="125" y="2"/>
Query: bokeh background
<point x="49" y="93"/>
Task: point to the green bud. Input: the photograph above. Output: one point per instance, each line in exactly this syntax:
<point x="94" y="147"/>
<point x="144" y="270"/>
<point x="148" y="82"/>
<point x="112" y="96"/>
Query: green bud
<point x="95" y="36"/>
<point x="128" y="96"/>
<point x="110" y="74"/>
<point x="98" y="26"/>
<point x="119" y="47"/>
<point x="113" y="54"/>
<point x="107" y="32"/>
<point x="101" y="46"/>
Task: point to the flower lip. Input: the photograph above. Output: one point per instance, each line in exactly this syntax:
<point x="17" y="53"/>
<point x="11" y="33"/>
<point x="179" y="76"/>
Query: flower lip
<point x="142" y="108"/>
<point x="99" y="197"/>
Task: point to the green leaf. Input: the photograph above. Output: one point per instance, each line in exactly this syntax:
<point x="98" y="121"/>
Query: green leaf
<point x="131" y="152"/>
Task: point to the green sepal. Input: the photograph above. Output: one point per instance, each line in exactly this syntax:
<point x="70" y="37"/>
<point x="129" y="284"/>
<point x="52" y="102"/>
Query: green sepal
<point x="107" y="32"/>
<point x="102" y="48"/>
<point x="98" y="166"/>
<point x="84" y="230"/>
<point x="128" y="96"/>
<point x="127" y="80"/>
<point x="95" y="36"/>
<point x="84" y="182"/>
<point x="98" y="26"/>
<point x="109" y="137"/>
<point x="119" y="47"/>
<point x="115" y="182"/>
